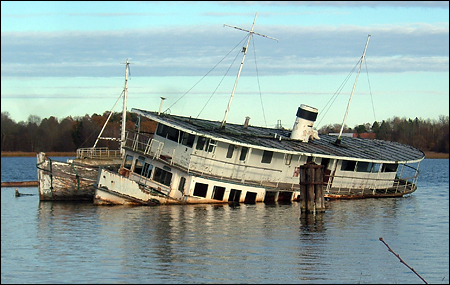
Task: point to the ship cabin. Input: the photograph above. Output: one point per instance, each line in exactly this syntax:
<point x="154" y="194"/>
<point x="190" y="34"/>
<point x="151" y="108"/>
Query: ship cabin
<point x="198" y="161"/>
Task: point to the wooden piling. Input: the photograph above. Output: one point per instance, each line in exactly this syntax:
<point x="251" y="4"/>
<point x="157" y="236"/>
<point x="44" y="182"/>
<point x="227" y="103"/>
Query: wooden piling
<point x="310" y="195"/>
<point x="318" y="188"/>
<point x="311" y="188"/>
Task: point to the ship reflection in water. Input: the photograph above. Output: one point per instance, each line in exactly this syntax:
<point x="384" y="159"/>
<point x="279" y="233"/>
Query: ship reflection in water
<point x="221" y="243"/>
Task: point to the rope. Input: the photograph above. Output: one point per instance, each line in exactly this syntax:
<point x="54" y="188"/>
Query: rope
<point x="77" y="176"/>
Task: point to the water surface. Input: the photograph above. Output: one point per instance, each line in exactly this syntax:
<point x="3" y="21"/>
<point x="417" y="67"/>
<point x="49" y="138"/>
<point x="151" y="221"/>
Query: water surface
<point x="48" y="242"/>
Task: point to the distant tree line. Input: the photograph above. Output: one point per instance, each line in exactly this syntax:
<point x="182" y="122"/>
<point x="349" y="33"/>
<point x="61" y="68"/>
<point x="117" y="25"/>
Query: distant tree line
<point x="66" y="135"/>
<point x="426" y="135"/>
<point x="69" y="134"/>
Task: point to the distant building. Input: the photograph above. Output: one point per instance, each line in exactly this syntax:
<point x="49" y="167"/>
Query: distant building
<point x="356" y="135"/>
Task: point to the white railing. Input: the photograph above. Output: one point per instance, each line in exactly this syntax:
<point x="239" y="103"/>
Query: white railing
<point x="399" y="184"/>
<point x="97" y="153"/>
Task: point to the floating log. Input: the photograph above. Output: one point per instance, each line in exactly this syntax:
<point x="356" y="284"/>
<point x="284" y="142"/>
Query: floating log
<point x="20" y="184"/>
<point x="18" y="194"/>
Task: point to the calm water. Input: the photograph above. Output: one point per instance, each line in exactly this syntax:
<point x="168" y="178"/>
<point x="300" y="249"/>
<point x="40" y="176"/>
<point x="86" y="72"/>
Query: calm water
<point x="46" y="242"/>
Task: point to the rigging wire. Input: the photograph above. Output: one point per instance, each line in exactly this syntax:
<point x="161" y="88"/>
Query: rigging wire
<point x="106" y="122"/>
<point x="223" y="77"/>
<point x="259" y="86"/>
<point x="205" y="75"/>
<point x="373" y="107"/>
<point x="336" y="94"/>
<point x="370" y="91"/>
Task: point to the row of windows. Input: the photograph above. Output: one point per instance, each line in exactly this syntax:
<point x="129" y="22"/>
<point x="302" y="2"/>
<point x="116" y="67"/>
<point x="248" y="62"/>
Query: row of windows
<point x="175" y="135"/>
<point x="218" y="193"/>
<point x="146" y="170"/>
<point x="209" y="145"/>
<point x="349" y="165"/>
<point x="205" y="144"/>
<point x="266" y="157"/>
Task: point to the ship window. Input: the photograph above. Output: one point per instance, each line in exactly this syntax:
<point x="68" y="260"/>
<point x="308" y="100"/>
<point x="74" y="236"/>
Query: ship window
<point x="376" y="167"/>
<point x="181" y="185"/>
<point x="267" y="156"/>
<point x="211" y="145"/>
<point x="161" y="130"/>
<point x="348" y="165"/>
<point x="172" y="134"/>
<point x="325" y="162"/>
<point x="138" y="166"/>
<point x="187" y="139"/>
<point x="128" y="162"/>
<point x="162" y="176"/>
<point x="250" y="198"/>
<point x="147" y="170"/>
<point x="167" y="132"/>
<point x="288" y="158"/>
<point x="218" y="192"/>
<point x="244" y="151"/>
<point x="200" y="189"/>
<point x="230" y="151"/>
<point x="389" y="167"/>
<point x="200" y="143"/>
<point x="364" y="166"/>
<point x="235" y="195"/>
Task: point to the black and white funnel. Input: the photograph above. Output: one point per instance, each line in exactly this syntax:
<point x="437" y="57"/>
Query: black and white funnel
<point x="303" y="126"/>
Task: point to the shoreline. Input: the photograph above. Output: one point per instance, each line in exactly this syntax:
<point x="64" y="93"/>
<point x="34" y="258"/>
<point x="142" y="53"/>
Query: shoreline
<point x="428" y="154"/>
<point x="30" y="154"/>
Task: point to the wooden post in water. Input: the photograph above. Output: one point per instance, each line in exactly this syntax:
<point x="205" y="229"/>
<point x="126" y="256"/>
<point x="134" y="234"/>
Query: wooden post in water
<point x="311" y="188"/>
<point x="318" y="188"/>
<point x="303" y="188"/>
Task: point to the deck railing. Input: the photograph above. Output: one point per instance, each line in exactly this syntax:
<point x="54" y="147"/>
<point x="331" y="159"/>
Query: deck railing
<point x="399" y="185"/>
<point x="97" y="153"/>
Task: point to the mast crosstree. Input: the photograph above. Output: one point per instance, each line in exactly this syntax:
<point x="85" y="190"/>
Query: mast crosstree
<point x="244" y="50"/>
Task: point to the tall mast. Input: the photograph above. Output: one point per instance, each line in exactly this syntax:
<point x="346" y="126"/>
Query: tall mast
<point x="124" y="115"/>
<point x="353" y="90"/>
<point x="244" y="50"/>
<point x="124" y="110"/>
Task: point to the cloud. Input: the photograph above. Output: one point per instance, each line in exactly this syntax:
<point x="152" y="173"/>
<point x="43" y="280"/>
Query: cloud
<point x="431" y="4"/>
<point x="193" y="50"/>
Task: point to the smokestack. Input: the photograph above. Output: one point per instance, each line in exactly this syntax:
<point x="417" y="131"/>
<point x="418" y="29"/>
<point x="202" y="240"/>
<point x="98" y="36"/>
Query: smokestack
<point x="303" y="126"/>
<point x="160" y="106"/>
<point x="247" y="119"/>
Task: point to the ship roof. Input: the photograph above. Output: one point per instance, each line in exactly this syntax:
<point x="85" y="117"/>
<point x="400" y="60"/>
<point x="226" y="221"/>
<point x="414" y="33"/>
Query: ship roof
<point x="274" y="139"/>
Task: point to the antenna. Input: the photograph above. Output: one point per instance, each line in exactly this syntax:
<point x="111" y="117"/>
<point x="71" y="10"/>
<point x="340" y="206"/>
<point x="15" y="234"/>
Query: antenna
<point x="244" y="50"/>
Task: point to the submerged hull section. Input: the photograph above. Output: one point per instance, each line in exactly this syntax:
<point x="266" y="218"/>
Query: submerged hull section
<point x="115" y="189"/>
<point x="65" y="181"/>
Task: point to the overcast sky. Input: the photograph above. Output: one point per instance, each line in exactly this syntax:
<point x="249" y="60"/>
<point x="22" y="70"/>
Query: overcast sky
<point x="66" y="59"/>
